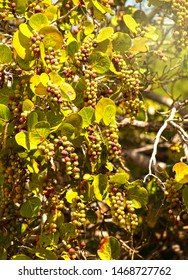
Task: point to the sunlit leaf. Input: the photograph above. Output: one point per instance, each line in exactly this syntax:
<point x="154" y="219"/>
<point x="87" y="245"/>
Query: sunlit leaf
<point x="70" y="195"/>
<point x="52" y="37"/>
<point x="100" y="184"/>
<point x="130" y="23"/>
<point x="22" y="139"/>
<point x="69" y="92"/>
<point x="21" y="44"/>
<point x="20" y="257"/>
<point x="139" y="45"/>
<point x="87" y="115"/>
<point x="27" y="105"/>
<point x="109" y="115"/>
<point x="181" y="172"/>
<point x="104" y="34"/>
<point x="103" y="103"/>
<point x="137" y="194"/>
<point x="109" y="249"/>
<point x="38" y="21"/>
<point x="100" y="62"/>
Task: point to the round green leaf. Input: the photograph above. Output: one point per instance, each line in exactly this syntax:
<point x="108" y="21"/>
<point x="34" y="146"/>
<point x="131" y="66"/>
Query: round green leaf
<point x="5" y="54"/>
<point x="52" y="37"/>
<point x="68" y="231"/>
<point x="4" y="114"/>
<point x="31" y="207"/>
<point x="75" y="120"/>
<point x="87" y="115"/>
<point x="72" y="48"/>
<point x="38" y="21"/>
<point x="27" y="105"/>
<point x="100" y="184"/>
<point x="42" y="129"/>
<point x="119" y="178"/>
<point x="32" y="120"/>
<point x="109" y="115"/>
<point x="68" y="130"/>
<point x="88" y="27"/>
<point x="121" y="42"/>
<point x="68" y="91"/>
<point x="103" y="103"/>
<point x="137" y="194"/>
<point x="22" y="139"/>
<point x="25" y="64"/>
<point x="100" y="62"/>
<point x="105" y="33"/>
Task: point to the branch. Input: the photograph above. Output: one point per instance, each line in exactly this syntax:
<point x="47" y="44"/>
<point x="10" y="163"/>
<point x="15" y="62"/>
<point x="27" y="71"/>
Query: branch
<point x="149" y="126"/>
<point x="153" y="161"/>
<point x="167" y="101"/>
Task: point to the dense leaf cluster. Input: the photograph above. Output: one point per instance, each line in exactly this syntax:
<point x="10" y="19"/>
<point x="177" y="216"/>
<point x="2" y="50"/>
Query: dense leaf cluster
<point x="83" y="85"/>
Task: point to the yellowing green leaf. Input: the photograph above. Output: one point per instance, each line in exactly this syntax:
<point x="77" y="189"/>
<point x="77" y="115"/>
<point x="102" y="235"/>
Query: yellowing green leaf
<point x="88" y="27"/>
<point x="4" y="114"/>
<point x="26" y="30"/>
<point x="137" y="194"/>
<point x="139" y="45"/>
<point x="103" y="103"/>
<point x="100" y="184"/>
<point x="38" y="21"/>
<point x="181" y="170"/>
<point x="109" y="115"/>
<point x="87" y="115"/>
<point x="38" y="84"/>
<point x="21" y="44"/>
<point x="100" y="62"/>
<point x="109" y="249"/>
<point x="69" y="93"/>
<point x="27" y="105"/>
<point x="130" y="23"/>
<point x="104" y="34"/>
<point x="5" y="54"/>
<point x="51" y="12"/>
<point x="22" y="139"/>
<point x="52" y="37"/>
<point x="70" y="195"/>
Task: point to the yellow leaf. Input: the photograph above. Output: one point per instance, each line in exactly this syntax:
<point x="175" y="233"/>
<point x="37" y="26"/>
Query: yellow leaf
<point x="181" y="170"/>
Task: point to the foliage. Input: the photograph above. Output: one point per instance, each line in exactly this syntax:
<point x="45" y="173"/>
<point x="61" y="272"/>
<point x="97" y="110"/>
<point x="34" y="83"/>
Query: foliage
<point x="93" y="124"/>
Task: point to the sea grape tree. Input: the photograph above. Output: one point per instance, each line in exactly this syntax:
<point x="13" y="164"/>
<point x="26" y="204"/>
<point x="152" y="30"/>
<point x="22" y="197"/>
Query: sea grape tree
<point x="93" y="124"/>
